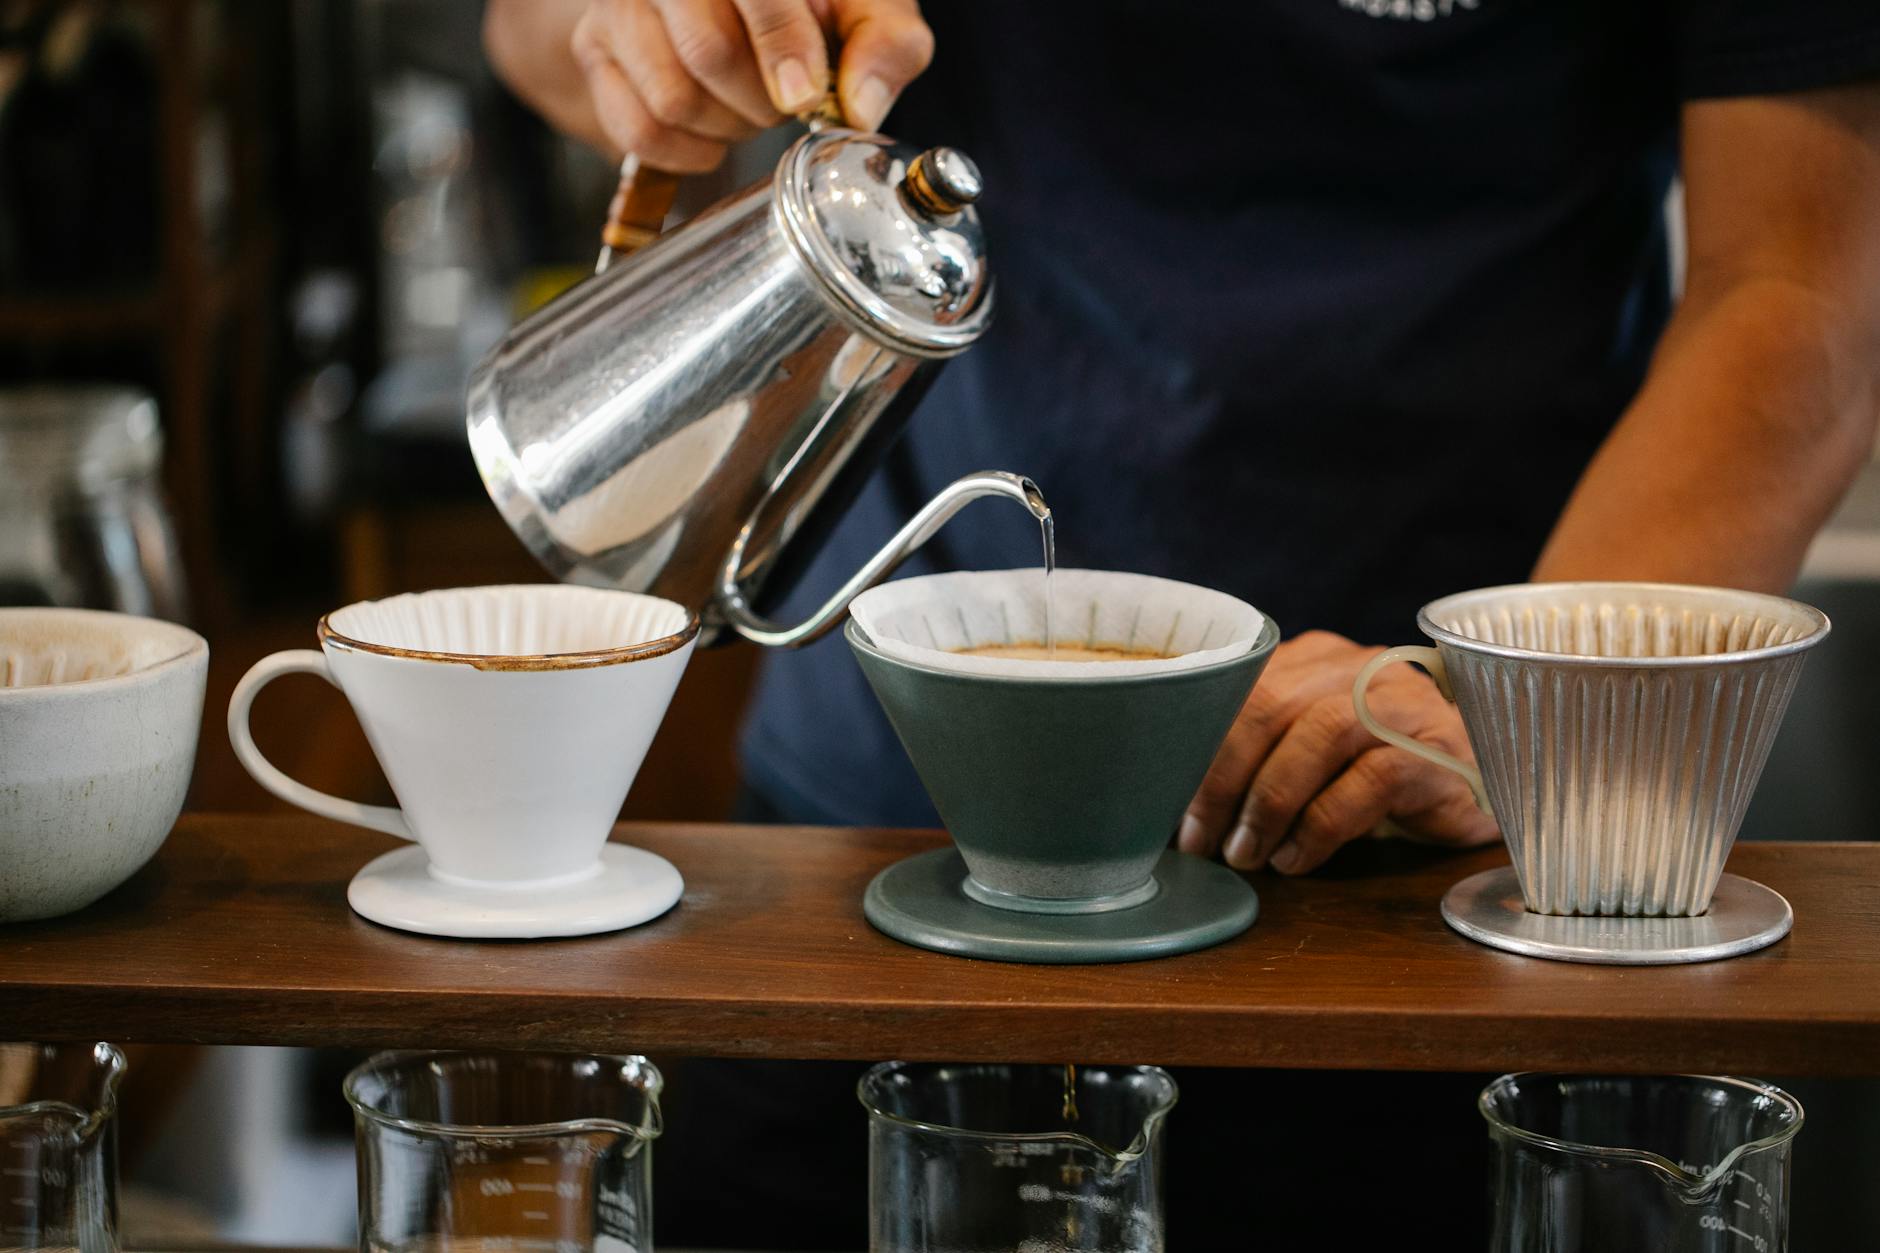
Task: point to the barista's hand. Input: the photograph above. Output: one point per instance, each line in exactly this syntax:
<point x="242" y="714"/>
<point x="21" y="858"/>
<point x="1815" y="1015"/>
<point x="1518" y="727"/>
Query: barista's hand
<point x="1298" y="776"/>
<point x="676" y="81"/>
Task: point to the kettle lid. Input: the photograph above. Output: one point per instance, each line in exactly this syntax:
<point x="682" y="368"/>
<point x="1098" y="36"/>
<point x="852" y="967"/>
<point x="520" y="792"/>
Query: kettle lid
<point x="891" y="233"/>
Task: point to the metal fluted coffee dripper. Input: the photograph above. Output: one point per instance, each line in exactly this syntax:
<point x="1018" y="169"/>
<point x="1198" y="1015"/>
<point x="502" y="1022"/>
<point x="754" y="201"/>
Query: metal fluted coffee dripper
<point x="690" y="421"/>
<point x="1619" y="730"/>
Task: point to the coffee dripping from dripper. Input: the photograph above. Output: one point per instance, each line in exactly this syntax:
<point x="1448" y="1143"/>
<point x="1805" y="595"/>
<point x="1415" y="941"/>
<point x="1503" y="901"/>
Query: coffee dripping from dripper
<point x="691" y="420"/>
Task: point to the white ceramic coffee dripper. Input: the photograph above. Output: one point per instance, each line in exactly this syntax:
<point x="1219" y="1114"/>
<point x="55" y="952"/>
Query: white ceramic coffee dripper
<point x="510" y="722"/>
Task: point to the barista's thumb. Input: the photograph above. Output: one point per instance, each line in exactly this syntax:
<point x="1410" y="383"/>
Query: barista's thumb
<point x="791" y="51"/>
<point x="885" y="46"/>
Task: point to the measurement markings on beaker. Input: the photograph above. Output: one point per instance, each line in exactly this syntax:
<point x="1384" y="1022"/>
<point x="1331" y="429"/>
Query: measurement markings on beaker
<point x="1714" y="1222"/>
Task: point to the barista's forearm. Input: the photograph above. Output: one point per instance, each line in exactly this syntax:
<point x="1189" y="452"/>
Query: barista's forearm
<point x="1762" y="398"/>
<point x="528" y="46"/>
<point x="1757" y="414"/>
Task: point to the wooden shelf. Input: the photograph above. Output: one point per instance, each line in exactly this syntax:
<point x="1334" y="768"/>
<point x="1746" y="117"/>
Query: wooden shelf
<point x="239" y="933"/>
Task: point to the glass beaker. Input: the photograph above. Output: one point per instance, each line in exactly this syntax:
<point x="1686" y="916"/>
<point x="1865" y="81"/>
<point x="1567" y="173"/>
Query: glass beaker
<point x="997" y="1159"/>
<point x="83" y="521"/>
<point x="511" y="1151"/>
<point x="58" y="1146"/>
<point x="1652" y="1164"/>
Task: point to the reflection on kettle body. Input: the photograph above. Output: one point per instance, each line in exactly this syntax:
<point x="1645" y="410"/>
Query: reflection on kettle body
<point x="639" y="498"/>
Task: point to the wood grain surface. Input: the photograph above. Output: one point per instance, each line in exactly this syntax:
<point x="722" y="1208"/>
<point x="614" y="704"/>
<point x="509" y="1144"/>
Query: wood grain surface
<point x="239" y="933"/>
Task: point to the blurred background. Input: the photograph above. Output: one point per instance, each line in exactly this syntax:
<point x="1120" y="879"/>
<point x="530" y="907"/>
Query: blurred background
<point x="249" y="253"/>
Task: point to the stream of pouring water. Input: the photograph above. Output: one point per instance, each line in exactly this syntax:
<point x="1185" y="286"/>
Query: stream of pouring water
<point x="1071" y="1172"/>
<point x="1048" y="528"/>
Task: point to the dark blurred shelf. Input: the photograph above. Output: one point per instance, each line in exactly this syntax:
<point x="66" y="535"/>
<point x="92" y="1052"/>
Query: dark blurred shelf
<point x="239" y="933"/>
<point x="51" y="318"/>
<point x="119" y="315"/>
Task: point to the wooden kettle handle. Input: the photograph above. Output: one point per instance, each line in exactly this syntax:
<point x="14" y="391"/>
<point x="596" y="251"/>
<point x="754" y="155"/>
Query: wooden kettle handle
<point x="645" y="195"/>
<point x="640" y="205"/>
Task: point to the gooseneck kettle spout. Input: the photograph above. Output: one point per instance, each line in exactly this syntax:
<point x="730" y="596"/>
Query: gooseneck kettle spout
<point x="935" y="514"/>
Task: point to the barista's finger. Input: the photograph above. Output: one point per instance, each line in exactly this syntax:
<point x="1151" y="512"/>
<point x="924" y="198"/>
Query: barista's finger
<point x="709" y="38"/>
<point x="1262" y="721"/>
<point x="792" y="51"/>
<point x="1314" y="749"/>
<point x="1212" y="809"/>
<point x="1371" y="787"/>
<point x="1433" y="805"/>
<point x="885" y="46"/>
<point x="1320" y="646"/>
<point x="1305" y="668"/>
<point x="632" y="128"/>
<point x="660" y="79"/>
<point x="1270" y="709"/>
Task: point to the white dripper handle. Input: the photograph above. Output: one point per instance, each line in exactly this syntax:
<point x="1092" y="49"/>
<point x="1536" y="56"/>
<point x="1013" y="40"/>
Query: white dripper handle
<point x="1432" y="661"/>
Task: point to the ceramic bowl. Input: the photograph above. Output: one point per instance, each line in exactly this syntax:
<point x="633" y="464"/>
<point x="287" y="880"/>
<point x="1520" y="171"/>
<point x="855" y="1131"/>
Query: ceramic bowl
<point x="99" y="714"/>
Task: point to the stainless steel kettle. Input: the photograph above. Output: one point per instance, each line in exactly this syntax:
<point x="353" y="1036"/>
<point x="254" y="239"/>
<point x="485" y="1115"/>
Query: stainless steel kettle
<point x="673" y="423"/>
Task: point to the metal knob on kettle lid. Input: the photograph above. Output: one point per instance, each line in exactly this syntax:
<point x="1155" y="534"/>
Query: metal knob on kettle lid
<point x="942" y="180"/>
<point x="892" y="236"/>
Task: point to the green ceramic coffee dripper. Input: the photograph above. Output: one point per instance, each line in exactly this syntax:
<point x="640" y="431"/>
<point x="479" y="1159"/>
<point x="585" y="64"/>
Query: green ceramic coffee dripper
<point x="1061" y="784"/>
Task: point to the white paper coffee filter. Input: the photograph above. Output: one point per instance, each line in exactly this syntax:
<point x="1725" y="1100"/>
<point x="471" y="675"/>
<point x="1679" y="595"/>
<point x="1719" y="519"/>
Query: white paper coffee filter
<point x="928" y="619"/>
<point x="527" y="619"/>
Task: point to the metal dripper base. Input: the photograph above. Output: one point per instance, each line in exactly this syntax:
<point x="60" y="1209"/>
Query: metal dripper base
<point x="921" y="901"/>
<point x="1744" y="916"/>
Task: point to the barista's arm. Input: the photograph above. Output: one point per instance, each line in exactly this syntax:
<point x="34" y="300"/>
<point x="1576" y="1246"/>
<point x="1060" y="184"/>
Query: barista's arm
<point x="1758" y="409"/>
<point x="1761" y="402"/>
<point x="677" y="81"/>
